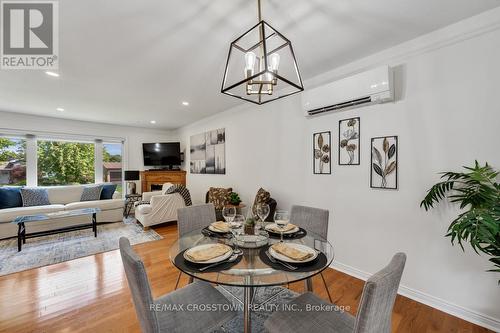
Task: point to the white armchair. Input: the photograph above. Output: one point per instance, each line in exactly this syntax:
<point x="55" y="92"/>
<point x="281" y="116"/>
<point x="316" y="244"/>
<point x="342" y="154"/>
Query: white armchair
<point x="161" y="208"/>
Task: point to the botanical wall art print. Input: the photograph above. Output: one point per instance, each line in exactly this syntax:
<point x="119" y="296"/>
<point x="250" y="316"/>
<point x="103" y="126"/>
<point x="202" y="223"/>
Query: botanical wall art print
<point x="208" y="152"/>
<point x="349" y="132"/>
<point x="384" y="162"/>
<point x="322" y="154"/>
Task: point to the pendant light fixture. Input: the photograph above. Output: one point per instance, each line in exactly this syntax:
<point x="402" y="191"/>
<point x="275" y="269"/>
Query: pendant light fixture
<point x="261" y="65"/>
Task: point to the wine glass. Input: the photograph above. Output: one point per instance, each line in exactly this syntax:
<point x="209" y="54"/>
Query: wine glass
<point x="235" y="226"/>
<point x="281" y="218"/>
<point x="228" y="213"/>
<point x="262" y="211"/>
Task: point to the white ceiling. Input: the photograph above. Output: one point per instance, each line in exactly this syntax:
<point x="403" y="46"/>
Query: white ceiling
<point x="129" y="62"/>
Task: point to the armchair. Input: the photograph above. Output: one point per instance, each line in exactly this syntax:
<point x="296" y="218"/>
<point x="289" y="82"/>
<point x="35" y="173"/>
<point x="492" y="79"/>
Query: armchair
<point x="161" y="207"/>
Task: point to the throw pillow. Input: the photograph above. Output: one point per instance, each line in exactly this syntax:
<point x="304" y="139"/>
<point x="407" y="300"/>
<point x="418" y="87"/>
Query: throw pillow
<point x="107" y="191"/>
<point x="261" y="197"/>
<point x="10" y="197"/>
<point x="34" y="196"/>
<point x="91" y="193"/>
<point x="219" y="196"/>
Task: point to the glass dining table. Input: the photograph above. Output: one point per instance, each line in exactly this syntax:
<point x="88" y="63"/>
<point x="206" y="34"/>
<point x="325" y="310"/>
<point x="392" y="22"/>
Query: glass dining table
<point x="252" y="270"/>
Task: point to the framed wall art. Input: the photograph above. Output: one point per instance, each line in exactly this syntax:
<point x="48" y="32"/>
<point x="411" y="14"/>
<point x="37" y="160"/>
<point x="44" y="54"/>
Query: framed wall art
<point x="349" y="134"/>
<point x="208" y="152"/>
<point x="322" y="153"/>
<point x="384" y="162"/>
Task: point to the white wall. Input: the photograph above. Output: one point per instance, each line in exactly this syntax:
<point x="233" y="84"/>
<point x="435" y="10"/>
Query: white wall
<point x="447" y="115"/>
<point x="134" y="136"/>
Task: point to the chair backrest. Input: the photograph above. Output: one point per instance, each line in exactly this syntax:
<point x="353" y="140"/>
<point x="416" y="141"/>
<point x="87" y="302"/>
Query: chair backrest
<point x="311" y="219"/>
<point x="375" y="309"/>
<point x="139" y="287"/>
<point x="194" y="217"/>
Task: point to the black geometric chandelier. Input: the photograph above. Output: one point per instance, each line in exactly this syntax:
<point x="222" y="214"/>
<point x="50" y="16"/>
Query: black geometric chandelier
<point x="261" y="65"/>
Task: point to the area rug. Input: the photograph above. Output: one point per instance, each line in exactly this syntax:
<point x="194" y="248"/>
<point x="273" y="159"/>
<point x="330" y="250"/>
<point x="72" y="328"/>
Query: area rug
<point x="53" y="249"/>
<point x="266" y="301"/>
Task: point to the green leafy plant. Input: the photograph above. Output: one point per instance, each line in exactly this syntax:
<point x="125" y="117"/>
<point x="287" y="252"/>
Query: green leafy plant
<point x="478" y="192"/>
<point x="234" y="198"/>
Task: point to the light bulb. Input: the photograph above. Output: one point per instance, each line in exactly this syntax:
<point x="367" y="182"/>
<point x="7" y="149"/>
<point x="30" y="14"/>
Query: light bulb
<point x="250" y="60"/>
<point x="274" y="59"/>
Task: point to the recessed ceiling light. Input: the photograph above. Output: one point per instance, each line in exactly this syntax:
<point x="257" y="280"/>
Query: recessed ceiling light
<point x="185" y="103"/>
<point x="52" y="74"/>
<point x="153" y="121"/>
<point x="60" y="109"/>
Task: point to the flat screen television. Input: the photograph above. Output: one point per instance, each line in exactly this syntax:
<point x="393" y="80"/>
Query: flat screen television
<point x="165" y="154"/>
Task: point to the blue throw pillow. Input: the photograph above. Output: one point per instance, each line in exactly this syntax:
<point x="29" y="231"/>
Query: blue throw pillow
<point x="107" y="191"/>
<point x="35" y="196"/>
<point x="10" y="197"/>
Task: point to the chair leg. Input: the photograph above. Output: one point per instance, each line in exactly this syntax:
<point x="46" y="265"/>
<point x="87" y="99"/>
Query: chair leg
<point x="309" y="285"/>
<point x="177" y="282"/>
<point x="326" y="287"/>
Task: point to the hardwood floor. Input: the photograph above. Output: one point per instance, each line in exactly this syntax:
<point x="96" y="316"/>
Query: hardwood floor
<point x="90" y="294"/>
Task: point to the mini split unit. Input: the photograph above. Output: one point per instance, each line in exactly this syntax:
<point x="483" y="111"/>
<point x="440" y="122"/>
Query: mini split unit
<point x="370" y="87"/>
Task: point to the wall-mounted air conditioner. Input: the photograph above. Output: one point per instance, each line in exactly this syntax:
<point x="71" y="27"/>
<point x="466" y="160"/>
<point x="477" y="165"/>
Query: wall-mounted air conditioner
<point x="370" y="87"/>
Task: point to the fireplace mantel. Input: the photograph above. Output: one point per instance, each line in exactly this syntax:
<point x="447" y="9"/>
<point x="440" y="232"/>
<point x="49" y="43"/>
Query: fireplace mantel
<point x="160" y="177"/>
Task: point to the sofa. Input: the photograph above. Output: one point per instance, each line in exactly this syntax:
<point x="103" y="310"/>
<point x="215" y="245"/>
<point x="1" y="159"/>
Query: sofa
<point x="159" y="207"/>
<point x="62" y="198"/>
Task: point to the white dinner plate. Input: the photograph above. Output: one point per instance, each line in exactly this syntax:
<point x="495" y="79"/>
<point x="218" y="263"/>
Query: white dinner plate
<point x="297" y="246"/>
<point x="211" y="261"/>
<point x="217" y="230"/>
<point x="272" y="225"/>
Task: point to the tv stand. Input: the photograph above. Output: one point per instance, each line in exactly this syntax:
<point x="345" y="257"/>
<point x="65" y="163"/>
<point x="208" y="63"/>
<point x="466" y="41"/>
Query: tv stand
<point x="159" y="177"/>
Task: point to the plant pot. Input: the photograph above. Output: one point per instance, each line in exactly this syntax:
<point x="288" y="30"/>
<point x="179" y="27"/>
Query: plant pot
<point x="249" y="229"/>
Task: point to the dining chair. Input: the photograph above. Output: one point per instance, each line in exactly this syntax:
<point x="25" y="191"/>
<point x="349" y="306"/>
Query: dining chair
<point x="156" y="315"/>
<point x="316" y="221"/>
<point x="374" y="311"/>
<point x="192" y="218"/>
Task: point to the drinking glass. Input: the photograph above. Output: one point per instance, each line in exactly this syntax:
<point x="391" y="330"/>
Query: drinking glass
<point x="235" y="226"/>
<point x="262" y="211"/>
<point x="281" y="218"/>
<point x="228" y="213"/>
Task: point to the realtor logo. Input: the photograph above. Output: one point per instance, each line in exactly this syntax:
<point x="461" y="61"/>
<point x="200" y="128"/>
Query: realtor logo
<point x="29" y="33"/>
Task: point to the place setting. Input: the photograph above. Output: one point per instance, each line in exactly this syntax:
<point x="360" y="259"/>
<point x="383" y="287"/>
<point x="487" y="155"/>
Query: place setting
<point x="281" y="228"/>
<point x="207" y="258"/>
<point x="293" y="257"/>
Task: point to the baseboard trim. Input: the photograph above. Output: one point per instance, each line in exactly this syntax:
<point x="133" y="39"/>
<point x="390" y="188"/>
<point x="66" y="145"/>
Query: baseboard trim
<point x="435" y="302"/>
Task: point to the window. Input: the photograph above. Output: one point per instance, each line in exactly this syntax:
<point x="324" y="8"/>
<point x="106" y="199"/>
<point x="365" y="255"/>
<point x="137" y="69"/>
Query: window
<point x="65" y="163"/>
<point x="12" y="161"/>
<point x="112" y="164"/>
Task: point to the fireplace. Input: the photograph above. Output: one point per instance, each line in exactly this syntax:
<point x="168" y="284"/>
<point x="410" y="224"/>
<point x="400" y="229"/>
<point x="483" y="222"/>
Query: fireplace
<point x="156" y="187"/>
<point x="153" y="180"/>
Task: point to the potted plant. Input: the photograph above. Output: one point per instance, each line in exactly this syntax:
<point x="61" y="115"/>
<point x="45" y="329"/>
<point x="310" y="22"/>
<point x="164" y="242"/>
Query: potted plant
<point x="234" y="199"/>
<point x="250" y="226"/>
<point x="478" y="193"/>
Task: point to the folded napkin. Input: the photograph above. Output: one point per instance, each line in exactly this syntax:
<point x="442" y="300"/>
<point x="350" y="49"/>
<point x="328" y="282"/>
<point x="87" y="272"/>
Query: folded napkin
<point x="220" y="226"/>
<point x="291" y="252"/>
<point x="208" y="253"/>
<point x="275" y="228"/>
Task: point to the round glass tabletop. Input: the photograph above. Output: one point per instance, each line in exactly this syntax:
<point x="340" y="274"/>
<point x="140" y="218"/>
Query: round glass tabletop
<point x="251" y="271"/>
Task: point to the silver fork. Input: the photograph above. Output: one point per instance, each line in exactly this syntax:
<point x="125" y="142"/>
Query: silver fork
<point x="275" y="261"/>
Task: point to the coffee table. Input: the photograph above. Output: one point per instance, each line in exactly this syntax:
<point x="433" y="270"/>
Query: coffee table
<point x="21" y="220"/>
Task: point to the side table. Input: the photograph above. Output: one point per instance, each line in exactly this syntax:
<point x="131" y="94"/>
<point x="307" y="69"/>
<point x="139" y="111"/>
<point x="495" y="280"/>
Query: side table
<point x="130" y="199"/>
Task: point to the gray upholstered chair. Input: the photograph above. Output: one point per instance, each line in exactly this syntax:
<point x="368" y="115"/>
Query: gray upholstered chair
<point x="154" y="314"/>
<point x="316" y="221"/>
<point x="374" y="311"/>
<point x="192" y="218"/>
